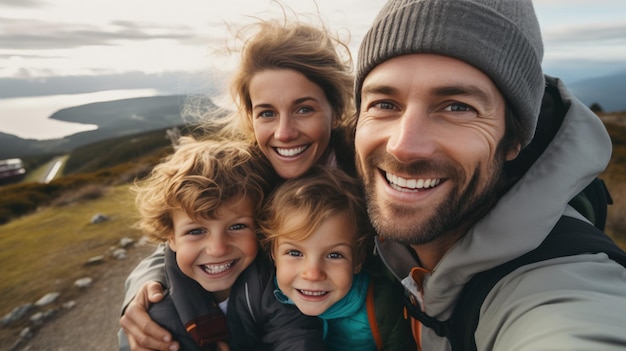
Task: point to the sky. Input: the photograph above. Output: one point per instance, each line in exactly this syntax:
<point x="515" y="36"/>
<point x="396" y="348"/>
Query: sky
<point x="71" y="51"/>
<point x="48" y="38"/>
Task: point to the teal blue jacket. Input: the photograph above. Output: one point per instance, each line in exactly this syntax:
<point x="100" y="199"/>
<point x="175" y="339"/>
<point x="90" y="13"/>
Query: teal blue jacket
<point x="346" y="324"/>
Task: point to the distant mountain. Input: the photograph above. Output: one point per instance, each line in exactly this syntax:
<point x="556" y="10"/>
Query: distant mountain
<point x="607" y="91"/>
<point x="168" y="83"/>
<point x="113" y="118"/>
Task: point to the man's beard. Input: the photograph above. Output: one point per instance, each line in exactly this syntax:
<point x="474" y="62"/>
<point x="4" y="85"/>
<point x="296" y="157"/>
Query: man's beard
<point x="459" y="210"/>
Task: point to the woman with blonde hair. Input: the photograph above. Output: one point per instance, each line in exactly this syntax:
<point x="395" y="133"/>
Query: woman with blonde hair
<point x="293" y="92"/>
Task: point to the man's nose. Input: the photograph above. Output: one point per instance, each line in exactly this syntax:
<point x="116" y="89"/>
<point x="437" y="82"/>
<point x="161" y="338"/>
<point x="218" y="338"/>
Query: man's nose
<point x="412" y="137"/>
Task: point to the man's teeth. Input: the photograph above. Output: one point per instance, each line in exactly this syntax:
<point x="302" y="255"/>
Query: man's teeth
<point x="399" y="182"/>
<point x="217" y="268"/>
<point x="313" y="293"/>
<point x="291" y="152"/>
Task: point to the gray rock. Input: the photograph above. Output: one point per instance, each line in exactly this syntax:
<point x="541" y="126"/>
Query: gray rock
<point x="69" y="305"/>
<point x="99" y="218"/>
<point x="47" y="299"/>
<point x="26" y="333"/>
<point x="37" y="318"/>
<point x="124" y="242"/>
<point x="16" y="314"/>
<point x="120" y="254"/>
<point x="95" y="260"/>
<point x="83" y="282"/>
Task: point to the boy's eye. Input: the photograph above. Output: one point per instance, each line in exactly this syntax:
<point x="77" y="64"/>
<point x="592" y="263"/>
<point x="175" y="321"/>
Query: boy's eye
<point x="238" y="226"/>
<point x="294" y="253"/>
<point x="335" y="255"/>
<point x="196" y="231"/>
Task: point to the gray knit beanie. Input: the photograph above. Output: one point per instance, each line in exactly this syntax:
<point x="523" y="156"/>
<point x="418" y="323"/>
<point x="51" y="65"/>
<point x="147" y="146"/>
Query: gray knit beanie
<point x="500" y="37"/>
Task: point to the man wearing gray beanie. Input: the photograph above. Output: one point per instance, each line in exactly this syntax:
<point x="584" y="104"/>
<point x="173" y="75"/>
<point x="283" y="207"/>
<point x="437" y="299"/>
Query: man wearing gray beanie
<point x="469" y="157"/>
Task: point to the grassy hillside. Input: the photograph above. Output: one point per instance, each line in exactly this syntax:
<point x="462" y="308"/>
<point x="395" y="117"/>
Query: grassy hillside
<point x="615" y="176"/>
<point x="48" y="238"/>
<point x="47" y="251"/>
<point x="104" y="163"/>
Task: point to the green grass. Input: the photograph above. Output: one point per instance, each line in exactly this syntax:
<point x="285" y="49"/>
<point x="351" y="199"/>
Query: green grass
<point x="47" y="250"/>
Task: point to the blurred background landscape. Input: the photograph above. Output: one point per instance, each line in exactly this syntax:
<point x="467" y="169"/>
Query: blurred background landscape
<point x="91" y="96"/>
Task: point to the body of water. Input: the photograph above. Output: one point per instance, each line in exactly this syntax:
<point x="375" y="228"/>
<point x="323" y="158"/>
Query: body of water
<point x="28" y="117"/>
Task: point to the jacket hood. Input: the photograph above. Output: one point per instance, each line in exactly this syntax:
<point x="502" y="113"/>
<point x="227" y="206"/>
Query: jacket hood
<point x="525" y="214"/>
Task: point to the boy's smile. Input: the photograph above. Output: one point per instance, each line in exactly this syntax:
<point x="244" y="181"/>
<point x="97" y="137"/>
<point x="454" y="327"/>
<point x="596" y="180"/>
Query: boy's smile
<point x="317" y="272"/>
<point x="214" y="251"/>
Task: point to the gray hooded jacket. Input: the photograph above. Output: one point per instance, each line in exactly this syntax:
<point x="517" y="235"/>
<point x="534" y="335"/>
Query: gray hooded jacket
<point x="569" y="303"/>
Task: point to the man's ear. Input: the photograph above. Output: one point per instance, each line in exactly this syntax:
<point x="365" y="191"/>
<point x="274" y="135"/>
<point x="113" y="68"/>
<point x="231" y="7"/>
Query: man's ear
<point x="514" y="152"/>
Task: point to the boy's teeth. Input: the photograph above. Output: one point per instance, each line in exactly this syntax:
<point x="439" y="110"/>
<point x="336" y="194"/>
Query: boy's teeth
<point x="218" y="268"/>
<point x="312" y="293"/>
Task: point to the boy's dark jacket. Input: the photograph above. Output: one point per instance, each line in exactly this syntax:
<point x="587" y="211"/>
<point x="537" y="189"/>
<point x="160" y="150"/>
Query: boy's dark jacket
<point x="256" y="320"/>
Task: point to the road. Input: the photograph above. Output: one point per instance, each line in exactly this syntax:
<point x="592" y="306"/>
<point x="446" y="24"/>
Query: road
<point x="53" y="168"/>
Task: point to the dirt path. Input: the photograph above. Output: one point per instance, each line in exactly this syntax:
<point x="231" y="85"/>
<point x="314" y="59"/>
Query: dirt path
<point x="93" y="323"/>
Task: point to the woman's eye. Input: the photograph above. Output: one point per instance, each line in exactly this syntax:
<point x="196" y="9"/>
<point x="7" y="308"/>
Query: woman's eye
<point x="305" y="110"/>
<point x="384" y="105"/>
<point x="267" y="114"/>
<point x="294" y="253"/>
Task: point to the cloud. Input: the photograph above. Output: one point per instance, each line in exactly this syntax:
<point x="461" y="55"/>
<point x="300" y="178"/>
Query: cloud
<point x="30" y="34"/>
<point x="22" y="3"/>
<point x="593" y="34"/>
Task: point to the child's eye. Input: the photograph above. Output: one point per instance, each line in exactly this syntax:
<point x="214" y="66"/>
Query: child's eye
<point x="335" y="255"/>
<point x="196" y="231"/>
<point x="294" y="253"/>
<point x="238" y="226"/>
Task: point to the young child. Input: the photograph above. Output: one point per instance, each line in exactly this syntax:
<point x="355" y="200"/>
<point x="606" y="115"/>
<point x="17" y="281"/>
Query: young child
<point x="318" y="233"/>
<point x="203" y="202"/>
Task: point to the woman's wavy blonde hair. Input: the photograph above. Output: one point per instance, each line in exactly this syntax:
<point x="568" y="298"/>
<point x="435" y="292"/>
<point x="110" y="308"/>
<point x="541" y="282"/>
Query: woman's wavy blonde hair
<point x="282" y="44"/>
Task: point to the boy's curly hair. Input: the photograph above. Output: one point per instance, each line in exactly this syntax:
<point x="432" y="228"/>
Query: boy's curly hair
<point x="199" y="177"/>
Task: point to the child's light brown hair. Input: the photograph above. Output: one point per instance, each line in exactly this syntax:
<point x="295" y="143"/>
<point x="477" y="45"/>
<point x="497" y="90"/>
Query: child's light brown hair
<point x="320" y="193"/>
<point x="198" y="178"/>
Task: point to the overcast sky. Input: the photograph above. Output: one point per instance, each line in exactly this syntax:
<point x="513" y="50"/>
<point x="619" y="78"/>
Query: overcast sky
<point x="47" y="38"/>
